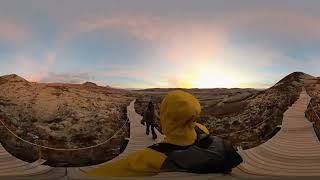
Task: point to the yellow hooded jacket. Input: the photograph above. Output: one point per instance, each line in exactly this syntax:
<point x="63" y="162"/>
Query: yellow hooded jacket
<point x="178" y="113"/>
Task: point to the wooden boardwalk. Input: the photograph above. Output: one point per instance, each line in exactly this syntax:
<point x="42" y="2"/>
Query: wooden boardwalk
<point x="293" y="151"/>
<point x="13" y="168"/>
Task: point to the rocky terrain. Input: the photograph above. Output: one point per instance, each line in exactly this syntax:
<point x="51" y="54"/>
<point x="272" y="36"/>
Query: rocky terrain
<point x="246" y="117"/>
<point x="62" y="116"/>
<point x="313" y="111"/>
<point x="81" y="115"/>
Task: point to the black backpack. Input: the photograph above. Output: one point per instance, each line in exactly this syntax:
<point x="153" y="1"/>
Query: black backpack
<point x="209" y="154"/>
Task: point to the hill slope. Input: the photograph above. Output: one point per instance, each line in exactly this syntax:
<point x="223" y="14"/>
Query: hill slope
<point x="61" y="116"/>
<point x="246" y="117"/>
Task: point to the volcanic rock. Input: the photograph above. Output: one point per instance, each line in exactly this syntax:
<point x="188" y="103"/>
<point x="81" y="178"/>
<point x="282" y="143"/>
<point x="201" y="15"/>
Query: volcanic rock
<point x="246" y="117"/>
<point x="90" y="84"/>
<point x="61" y="116"/>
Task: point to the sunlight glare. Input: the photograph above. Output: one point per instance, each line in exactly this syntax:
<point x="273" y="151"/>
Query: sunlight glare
<point x="209" y="76"/>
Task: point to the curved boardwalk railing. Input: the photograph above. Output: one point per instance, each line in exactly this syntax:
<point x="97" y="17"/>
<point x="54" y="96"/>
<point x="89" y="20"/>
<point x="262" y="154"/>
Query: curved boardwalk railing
<point x="293" y="151"/>
<point x="63" y="149"/>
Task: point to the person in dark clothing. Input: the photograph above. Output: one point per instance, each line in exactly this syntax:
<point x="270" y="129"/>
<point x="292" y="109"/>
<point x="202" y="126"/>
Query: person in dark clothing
<point x="149" y="117"/>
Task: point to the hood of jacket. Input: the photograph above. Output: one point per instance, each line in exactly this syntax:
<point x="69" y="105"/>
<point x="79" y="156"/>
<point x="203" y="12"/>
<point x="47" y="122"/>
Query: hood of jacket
<point x="178" y="114"/>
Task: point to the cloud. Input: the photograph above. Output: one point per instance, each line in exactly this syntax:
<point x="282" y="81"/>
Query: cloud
<point x="74" y="78"/>
<point x="12" y="31"/>
<point x="50" y="58"/>
<point x="30" y="68"/>
<point x="255" y="56"/>
<point x="285" y="22"/>
<point x="180" y="38"/>
<point x="134" y="25"/>
<point x="25" y="65"/>
<point x="315" y="62"/>
<point x="142" y="75"/>
<point x="174" y="43"/>
<point x="275" y="26"/>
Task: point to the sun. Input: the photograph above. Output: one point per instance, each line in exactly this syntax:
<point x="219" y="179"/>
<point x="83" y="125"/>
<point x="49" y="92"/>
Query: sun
<point x="209" y="77"/>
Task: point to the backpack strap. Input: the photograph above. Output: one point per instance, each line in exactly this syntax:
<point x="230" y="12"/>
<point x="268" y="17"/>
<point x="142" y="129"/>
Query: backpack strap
<point x="167" y="148"/>
<point x="203" y="140"/>
<point x="209" y="154"/>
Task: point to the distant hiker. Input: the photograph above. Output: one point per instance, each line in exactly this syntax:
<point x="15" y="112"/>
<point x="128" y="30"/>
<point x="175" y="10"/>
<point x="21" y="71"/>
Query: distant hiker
<point x="187" y="145"/>
<point x="149" y="117"/>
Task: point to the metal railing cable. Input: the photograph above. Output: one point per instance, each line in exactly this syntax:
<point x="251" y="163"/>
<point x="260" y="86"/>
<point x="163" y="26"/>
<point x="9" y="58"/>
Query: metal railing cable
<point x="66" y="149"/>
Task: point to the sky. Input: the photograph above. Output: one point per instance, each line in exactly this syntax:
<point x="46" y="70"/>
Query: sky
<point x="167" y="43"/>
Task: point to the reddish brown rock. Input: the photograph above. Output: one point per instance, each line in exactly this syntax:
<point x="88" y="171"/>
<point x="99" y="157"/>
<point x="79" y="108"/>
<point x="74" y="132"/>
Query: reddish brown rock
<point x="62" y="116"/>
<point x="243" y="116"/>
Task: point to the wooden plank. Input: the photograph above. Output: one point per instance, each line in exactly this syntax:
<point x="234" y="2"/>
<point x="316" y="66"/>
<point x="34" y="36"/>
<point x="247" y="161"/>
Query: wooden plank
<point x="294" y="151"/>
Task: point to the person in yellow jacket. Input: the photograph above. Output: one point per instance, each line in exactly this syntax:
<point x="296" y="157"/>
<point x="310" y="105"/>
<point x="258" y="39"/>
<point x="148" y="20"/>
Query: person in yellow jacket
<point x="179" y="111"/>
